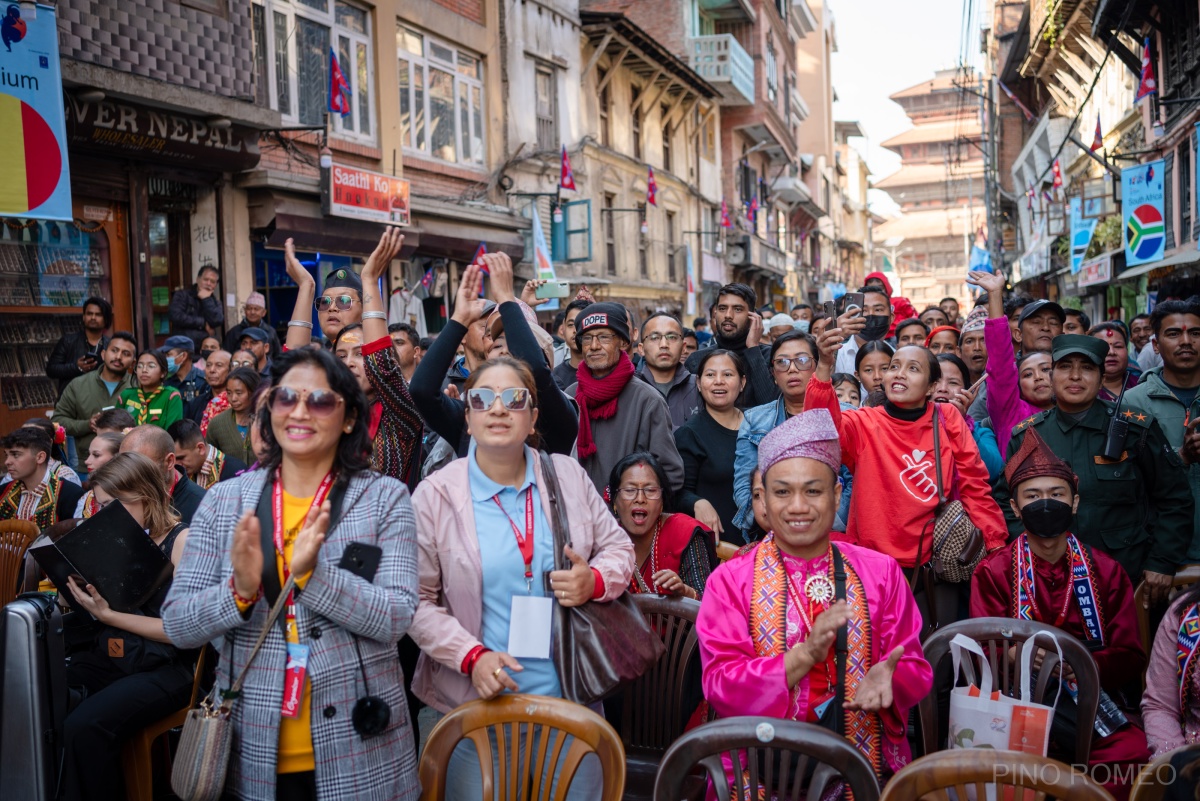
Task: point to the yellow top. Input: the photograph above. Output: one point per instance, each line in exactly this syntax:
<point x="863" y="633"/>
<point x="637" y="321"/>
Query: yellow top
<point x="295" y="734"/>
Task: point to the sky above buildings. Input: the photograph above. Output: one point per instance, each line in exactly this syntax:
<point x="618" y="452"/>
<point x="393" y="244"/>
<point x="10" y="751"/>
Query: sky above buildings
<point x="885" y="46"/>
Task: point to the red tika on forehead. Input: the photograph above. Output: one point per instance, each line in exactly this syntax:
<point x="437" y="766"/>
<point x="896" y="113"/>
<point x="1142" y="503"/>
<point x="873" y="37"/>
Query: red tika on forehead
<point x="1034" y="459"/>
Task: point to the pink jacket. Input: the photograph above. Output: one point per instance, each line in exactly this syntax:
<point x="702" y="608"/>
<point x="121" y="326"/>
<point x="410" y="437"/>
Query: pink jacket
<point x="1005" y="406"/>
<point x="449" y="617"/>
<point x="1167" y="727"/>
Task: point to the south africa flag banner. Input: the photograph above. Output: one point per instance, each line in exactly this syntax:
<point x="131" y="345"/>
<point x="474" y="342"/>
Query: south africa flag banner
<point x="1142" y="206"/>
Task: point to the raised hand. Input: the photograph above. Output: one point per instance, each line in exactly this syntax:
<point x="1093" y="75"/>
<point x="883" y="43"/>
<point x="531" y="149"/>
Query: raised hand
<point x="468" y="306"/>
<point x="988" y="282"/>
<point x="390" y="243"/>
<point x="755" y="333"/>
<point x="500" y="270"/>
<point x="529" y="293"/>
<point x="295" y="269"/>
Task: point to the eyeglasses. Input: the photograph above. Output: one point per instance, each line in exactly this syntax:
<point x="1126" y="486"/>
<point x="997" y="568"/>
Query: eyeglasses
<point x="631" y="493"/>
<point x="803" y="363"/>
<point x="656" y="338"/>
<point x="514" y="399"/>
<point x="599" y="339"/>
<point x="246" y="363"/>
<point x="339" y="302"/>
<point x="319" y="402"/>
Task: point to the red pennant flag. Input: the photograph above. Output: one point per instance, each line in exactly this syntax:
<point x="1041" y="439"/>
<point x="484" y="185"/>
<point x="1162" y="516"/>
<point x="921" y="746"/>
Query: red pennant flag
<point x="651" y="188"/>
<point x="753" y="211"/>
<point x="339" y="87"/>
<point x="725" y="223"/>
<point x="1098" y="139"/>
<point x="1016" y="100"/>
<point x="567" y="178"/>
<point x="1057" y="170"/>
<point x="1147" y="85"/>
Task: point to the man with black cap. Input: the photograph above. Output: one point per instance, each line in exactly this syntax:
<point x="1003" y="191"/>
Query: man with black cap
<point x="1134" y="503"/>
<point x="256" y="341"/>
<point x="185" y="376"/>
<point x="618" y="415"/>
<point x="1039" y="323"/>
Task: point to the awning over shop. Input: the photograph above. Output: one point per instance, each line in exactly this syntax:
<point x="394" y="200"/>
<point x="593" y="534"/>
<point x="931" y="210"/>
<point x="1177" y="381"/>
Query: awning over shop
<point x="1183" y="257"/>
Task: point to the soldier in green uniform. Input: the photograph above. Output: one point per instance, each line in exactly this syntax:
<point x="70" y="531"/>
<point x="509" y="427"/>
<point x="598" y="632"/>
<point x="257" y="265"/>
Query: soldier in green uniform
<point x="1138" y="507"/>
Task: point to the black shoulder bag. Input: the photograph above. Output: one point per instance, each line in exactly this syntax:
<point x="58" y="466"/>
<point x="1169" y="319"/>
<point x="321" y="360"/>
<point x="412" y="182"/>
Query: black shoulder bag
<point x="596" y="646"/>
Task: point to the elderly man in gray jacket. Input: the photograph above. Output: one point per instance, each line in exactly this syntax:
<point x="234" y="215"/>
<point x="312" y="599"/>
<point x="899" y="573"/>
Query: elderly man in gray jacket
<point x="618" y="413"/>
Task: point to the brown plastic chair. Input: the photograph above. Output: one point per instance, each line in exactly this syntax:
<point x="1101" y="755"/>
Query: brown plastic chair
<point x="655" y="707"/>
<point x="513" y="721"/>
<point x="1152" y="782"/>
<point x="996" y="634"/>
<point x="778" y="755"/>
<point x="1184" y="578"/>
<point x="968" y="772"/>
<point x="726" y="550"/>
<point x="136" y="755"/>
<point x="15" y="537"/>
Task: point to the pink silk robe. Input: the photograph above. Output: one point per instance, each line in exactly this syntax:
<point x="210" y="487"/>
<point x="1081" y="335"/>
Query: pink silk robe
<point x="737" y="681"/>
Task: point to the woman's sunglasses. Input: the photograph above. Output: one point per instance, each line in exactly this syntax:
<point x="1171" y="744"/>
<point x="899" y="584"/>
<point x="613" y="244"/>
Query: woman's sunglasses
<point x="339" y="302"/>
<point x="320" y="402"/>
<point x="515" y="399"/>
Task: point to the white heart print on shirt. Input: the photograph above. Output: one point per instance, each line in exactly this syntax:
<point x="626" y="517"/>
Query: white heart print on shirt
<point x="918" y="476"/>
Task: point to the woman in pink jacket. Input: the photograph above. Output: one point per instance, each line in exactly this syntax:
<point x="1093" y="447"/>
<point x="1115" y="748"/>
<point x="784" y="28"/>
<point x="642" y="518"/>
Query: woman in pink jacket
<point x="486" y="559"/>
<point x="1016" y="390"/>
<point x="1171" y="703"/>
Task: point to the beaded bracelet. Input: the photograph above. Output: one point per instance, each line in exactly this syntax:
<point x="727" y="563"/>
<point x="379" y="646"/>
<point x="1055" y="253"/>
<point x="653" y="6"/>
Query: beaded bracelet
<point x="247" y="601"/>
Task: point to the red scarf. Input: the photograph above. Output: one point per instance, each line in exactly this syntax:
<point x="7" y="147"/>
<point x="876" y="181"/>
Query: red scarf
<point x="597" y="399"/>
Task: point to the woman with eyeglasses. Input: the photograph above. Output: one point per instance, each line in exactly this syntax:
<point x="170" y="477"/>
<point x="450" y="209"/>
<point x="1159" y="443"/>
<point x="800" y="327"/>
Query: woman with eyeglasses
<point x="149" y="400"/>
<point x="133" y="675"/>
<point x="229" y="431"/>
<point x="674" y="552"/>
<point x="487" y="554"/>
<point x="323" y="713"/>
<point x="793" y="359"/>
<point x="340" y="304"/>
<point x="708" y="444"/>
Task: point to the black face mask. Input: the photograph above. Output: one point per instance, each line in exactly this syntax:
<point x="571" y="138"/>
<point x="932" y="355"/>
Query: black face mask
<point x="204" y="354"/>
<point x="876" y="328"/>
<point x="1047" y="518"/>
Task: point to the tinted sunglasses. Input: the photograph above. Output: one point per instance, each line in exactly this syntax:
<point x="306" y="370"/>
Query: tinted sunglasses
<point x="339" y="302"/>
<point x="319" y="402"/>
<point x="514" y="399"/>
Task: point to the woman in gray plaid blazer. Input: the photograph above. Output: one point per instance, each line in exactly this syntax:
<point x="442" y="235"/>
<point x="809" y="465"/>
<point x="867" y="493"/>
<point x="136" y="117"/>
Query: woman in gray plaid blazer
<point x="319" y="441"/>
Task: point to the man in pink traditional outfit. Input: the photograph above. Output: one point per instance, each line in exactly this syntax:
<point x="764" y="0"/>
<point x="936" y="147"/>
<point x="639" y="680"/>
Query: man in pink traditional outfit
<point x="781" y="622"/>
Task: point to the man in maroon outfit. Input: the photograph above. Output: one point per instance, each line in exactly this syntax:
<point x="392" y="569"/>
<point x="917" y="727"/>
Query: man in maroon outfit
<point x="1048" y="575"/>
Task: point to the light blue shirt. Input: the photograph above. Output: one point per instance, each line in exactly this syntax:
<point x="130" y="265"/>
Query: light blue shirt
<point x="504" y="567"/>
<point x="110" y="385"/>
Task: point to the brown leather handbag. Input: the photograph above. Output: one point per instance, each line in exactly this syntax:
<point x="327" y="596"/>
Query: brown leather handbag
<point x="957" y="547"/>
<point x="599" y="645"/>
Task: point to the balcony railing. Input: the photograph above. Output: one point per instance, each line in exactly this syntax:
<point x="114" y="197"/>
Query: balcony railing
<point x="723" y="62"/>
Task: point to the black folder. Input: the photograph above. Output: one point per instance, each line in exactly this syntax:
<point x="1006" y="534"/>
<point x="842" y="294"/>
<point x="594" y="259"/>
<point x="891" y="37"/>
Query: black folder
<point x="110" y="551"/>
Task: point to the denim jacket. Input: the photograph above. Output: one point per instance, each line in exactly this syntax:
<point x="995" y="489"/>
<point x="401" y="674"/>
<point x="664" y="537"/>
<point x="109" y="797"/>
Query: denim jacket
<point x="756" y="423"/>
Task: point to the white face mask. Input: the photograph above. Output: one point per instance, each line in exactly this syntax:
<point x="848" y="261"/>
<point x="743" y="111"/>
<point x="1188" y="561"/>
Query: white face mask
<point x="801" y="326"/>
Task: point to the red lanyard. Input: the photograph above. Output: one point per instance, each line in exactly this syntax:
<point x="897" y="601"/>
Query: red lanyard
<point x="277" y="512"/>
<point x="525" y="543"/>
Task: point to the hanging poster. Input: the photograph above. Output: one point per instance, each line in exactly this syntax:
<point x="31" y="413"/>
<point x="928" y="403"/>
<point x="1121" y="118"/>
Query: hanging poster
<point x="34" y="178"/>
<point x="1082" y="229"/>
<point x="1142" y="209"/>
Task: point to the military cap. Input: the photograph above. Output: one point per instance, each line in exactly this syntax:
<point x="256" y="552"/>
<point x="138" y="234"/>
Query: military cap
<point x="1095" y="350"/>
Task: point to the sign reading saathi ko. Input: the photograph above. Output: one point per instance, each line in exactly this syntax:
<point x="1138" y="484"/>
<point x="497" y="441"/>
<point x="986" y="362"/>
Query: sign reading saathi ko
<point x="364" y="195"/>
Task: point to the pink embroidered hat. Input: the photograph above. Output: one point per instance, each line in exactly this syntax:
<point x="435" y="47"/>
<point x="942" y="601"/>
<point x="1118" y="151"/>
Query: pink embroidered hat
<point x="810" y="434"/>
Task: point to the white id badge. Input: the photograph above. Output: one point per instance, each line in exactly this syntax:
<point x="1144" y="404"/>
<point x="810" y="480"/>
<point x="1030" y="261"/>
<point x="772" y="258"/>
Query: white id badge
<point x="529" y="627"/>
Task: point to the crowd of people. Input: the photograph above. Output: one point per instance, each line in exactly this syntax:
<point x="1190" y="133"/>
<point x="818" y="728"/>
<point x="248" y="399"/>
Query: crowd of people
<point x="395" y="491"/>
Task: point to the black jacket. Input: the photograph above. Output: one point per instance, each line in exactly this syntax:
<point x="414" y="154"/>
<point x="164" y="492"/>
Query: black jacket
<point x="194" y="390"/>
<point x="186" y="496"/>
<point x="189" y="314"/>
<point x="234" y="338"/>
<point x="67" y="351"/>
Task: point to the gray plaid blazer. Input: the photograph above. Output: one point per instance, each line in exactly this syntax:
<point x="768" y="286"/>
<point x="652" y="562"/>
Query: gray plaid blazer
<point x="200" y="609"/>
